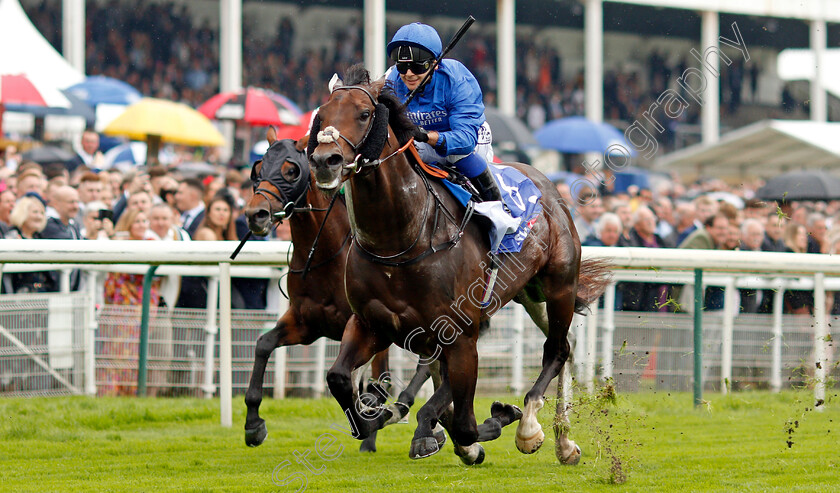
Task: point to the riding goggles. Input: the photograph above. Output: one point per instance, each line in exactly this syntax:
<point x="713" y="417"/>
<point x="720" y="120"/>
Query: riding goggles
<point x="416" y="68"/>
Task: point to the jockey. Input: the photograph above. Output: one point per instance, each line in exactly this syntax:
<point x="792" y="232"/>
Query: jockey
<point x="448" y="108"/>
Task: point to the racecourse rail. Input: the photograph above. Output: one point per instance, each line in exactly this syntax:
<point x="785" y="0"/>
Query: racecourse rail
<point x="682" y="266"/>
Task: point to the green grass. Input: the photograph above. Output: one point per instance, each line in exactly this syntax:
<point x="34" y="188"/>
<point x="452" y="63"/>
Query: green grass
<point x="657" y="440"/>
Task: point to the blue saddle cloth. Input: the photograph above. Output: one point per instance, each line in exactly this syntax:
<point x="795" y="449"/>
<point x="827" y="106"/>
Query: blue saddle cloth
<point x="522" y="199"/>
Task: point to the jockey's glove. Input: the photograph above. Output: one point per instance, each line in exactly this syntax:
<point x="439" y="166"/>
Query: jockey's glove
<point x="421" y="135"/>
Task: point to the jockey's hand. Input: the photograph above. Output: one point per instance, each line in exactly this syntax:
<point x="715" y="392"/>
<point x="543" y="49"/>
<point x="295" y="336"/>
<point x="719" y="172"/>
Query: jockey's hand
<point x="421" y="135"/>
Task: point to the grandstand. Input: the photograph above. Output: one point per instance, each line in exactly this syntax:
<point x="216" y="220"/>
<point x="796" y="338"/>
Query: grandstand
<point x="171" y="50"/>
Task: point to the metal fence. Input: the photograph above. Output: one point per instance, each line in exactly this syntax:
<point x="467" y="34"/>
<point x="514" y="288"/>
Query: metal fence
<point x="44" y="349"/>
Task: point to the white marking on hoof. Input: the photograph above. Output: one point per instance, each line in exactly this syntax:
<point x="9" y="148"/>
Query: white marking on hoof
<point x="572" y="457"/>
<point x="529" y="434"/>
<point x="469" y="455"/>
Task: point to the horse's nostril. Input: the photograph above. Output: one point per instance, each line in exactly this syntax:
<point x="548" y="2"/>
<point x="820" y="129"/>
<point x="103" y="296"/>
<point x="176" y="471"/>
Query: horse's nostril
<point x="335" y="160"/>
<point x="260" y="215"/>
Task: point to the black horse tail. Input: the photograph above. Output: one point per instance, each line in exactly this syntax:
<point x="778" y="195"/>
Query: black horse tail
<point x="593" y="278"/>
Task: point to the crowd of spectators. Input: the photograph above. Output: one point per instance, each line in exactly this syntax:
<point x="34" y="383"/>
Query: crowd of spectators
<point x="707" y="216"/>
<point x="159" y="49"/>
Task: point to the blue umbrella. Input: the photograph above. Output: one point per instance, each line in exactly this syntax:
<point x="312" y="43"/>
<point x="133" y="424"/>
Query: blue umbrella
<point x="99" y="89"/>
<point x="576" y="134"/>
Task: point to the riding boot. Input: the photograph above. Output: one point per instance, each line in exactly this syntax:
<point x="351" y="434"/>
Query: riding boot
<point x="486" y="185"/>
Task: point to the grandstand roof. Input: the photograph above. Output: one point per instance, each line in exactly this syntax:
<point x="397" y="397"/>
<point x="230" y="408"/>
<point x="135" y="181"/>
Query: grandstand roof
<point x="765" y="148"/>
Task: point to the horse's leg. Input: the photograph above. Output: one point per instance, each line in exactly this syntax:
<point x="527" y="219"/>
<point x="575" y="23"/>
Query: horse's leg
<point x="285" y="333"/>
<point x="567" y="451"/>
<point x="358" y="345"/>
<point x="560" y="308"/>
<point x="379" y="368"/>
<point x="461" y="360"/>
<point x="406" y="398"/>
<point x="427" y="441"/>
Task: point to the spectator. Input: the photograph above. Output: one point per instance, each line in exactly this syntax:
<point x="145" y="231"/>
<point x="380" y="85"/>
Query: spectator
<point x="649" y="297"/>
<point x="30" y="179"/>
<point x="131" y="183"/>
<point x="95" y="226"/>
<point x="752" y="236"/>
<point x="124" y="296"/>
<point x="589" y="209"/>
<point x="608" y="231"/>
<point x="684" y="218"/>
<point x="773" y="233"/>
<point x="219" y="222"/>
<point x="140" y="199"/>
<point x="713" y="235"/>
<point x="188" y="200"/>
<point x="664" y="210"/>
<point x="61" y="223"/>
<point x="796" y="240"/>
<point x="28" y="219"/>
<point x="7" y="203"/>
<point x="87" y="154"/>
<point x="816" y="232"/>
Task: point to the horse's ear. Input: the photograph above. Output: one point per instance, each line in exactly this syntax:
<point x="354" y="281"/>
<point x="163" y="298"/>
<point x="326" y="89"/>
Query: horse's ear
<point x="376" y="86"/>
<point x="301" y="144"/>
<point x="335" y="83"/>
<point x="271" y="135"/>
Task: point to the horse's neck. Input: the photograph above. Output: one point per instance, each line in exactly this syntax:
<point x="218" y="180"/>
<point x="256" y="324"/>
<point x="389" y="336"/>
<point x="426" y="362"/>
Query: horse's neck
<point x="387" y="206"/>
<point x="305" y="226"/>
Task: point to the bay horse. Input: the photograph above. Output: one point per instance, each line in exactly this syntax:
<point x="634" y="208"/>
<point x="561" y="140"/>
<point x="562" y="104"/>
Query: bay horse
<point x="317" y="304"/>
<point x="417" y="267"/>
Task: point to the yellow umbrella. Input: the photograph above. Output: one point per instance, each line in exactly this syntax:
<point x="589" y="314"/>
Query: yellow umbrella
<point x="156" y="120"/>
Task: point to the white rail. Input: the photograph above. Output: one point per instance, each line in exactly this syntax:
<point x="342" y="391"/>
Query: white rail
<point x="809" y="271"/>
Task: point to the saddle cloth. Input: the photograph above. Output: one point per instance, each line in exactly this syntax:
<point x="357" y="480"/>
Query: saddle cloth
<point x="522" y="198"/>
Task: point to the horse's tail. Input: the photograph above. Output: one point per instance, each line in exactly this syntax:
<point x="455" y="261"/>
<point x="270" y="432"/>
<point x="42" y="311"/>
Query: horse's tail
<point x="593" y="278"/>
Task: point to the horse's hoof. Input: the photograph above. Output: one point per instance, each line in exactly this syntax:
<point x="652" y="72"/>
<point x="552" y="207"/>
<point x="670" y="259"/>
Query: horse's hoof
<point x="440" y="435"/>
<point x="572" y="459"/>
<point x="254" y="437"/>
<point x="472" y="455"/>
<point x="507" y="413"/>
<point x="398" y="412"/>
<point x="423" y="447"/>
<point x="368" y="445"/>
<point x="531" y="444"/>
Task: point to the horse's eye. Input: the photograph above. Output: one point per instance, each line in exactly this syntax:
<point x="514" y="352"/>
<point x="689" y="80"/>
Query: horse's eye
<point x="364" y="116"/>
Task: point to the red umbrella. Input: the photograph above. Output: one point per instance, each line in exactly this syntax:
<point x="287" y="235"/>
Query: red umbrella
<point x="252" y="105"/>
<point x="18" y="90"/>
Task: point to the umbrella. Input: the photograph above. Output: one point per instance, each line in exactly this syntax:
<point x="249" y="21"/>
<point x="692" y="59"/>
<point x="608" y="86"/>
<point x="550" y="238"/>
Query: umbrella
<point x="77" y="108"/>
<point x="129" y="153"/>
<point x="576" y="134"/>
<point x="254" y="106"/>
<point x="156" y="120"/>
<point x="801" y="185"/>
<point x="21" y="92"/>
<point x="48" y="155"/>
<point x="507" y="128"/>
<point x="99" y="89"/>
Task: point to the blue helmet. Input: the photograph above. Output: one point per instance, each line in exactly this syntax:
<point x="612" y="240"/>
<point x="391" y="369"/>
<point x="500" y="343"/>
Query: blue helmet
<point x="418" y="35"/>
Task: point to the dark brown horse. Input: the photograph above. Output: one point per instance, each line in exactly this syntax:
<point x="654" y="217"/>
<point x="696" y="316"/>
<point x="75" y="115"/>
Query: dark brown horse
<point x="317" y="304"/>
<point x="416" y="270"/>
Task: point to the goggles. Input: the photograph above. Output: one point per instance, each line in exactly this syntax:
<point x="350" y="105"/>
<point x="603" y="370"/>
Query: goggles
<point x="416" y="67"/>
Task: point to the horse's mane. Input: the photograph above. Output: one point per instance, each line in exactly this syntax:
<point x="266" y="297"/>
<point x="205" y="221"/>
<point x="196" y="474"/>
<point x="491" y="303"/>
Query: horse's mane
<point x="401" y="125"/>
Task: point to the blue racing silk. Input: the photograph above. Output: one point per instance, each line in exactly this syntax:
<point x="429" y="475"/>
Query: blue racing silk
<point x="450" y="103"/>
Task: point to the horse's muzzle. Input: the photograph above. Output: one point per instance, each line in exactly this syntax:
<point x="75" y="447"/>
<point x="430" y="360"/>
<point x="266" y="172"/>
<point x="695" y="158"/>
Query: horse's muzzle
<point x="259" y="220"/>
<point x="328" y="167"/>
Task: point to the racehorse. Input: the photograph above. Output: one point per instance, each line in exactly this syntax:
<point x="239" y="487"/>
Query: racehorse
<point x="417" y="267"/>
<point x="317" y="304"/>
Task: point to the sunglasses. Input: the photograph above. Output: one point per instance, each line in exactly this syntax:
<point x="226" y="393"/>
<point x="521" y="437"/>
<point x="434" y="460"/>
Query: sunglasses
<point x="415" y="67"/>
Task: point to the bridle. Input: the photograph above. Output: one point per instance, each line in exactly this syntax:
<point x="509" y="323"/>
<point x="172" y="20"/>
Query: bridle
<point x="330" y="135"/>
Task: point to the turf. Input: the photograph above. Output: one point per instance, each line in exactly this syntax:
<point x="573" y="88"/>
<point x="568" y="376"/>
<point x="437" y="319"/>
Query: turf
<point x="750" y="441"/>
